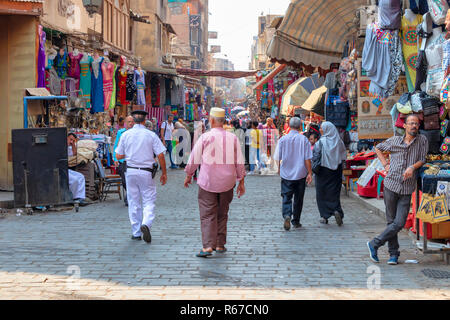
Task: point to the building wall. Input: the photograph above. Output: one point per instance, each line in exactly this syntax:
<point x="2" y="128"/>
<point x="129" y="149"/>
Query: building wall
<point x="17" y="71"/>
<point x="68" y="16"/>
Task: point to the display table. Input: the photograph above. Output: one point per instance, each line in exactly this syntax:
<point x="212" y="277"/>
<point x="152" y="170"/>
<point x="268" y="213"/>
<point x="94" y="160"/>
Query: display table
<point x="354" y="167"/>
<point x="428" y="184"/>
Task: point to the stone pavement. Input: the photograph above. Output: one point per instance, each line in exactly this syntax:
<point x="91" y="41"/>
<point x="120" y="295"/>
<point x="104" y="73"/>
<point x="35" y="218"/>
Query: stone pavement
<point x="89" y="255"/>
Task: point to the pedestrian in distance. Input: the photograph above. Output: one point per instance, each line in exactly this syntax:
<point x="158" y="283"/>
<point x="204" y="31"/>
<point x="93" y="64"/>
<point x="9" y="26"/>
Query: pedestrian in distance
<point x="138" y="147"/>
<point x="222" y="164"/>
<point x="293" y="155"/>
<point x="122" y="165"/>
<point x="166" y="134"/>
<point x="328" y="155"/>
<point x="407" y="155"/>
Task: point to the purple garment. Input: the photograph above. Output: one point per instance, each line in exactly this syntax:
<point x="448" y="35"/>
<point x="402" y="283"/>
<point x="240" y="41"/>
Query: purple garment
<point x="74" y="68"/>
<point x="389" y="14"/>
<point x="293" y="149"/>
<point x="41" y="61"/>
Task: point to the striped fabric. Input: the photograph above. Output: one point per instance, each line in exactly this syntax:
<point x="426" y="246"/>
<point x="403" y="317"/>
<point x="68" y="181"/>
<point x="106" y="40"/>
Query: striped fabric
<point x="315" y="32"/>
<point x="156" y="112"/>
<point x="402" y="157"/>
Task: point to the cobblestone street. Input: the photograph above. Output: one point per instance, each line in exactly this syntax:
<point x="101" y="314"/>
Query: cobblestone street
<point x="42" y="256"/>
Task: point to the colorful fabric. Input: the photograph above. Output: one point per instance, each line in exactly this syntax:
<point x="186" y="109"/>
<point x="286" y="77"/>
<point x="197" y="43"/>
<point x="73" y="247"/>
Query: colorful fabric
<point x="85" y="79"/>
<point x="60" y="64"/>
<point x="123" y="86"/>
<point x="409" y="48"/>
<point x="97" y="98"/>
<point x="112" y="104"/>
<point x="139" y="81"/>
<point x="41" y="61"/>
<point x="74" y="67"/>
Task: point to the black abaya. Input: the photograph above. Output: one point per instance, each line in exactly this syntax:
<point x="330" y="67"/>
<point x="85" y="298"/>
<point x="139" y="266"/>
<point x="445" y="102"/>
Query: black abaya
<point x="328" y="191"/>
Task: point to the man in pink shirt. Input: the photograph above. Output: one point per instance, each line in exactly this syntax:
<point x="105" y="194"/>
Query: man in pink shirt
<point x="222" y="164"/>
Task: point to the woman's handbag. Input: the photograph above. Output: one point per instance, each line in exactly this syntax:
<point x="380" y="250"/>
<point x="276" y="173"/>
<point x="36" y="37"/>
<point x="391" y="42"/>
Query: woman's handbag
<point x="432" y="122"/>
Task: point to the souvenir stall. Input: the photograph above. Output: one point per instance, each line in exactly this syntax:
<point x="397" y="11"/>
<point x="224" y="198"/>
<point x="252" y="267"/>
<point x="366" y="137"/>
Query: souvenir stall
<point x="405" y="69"/>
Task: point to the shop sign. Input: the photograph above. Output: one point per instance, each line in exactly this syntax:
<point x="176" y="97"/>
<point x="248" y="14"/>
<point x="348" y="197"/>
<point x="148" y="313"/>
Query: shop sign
<point x="215" y="49"/>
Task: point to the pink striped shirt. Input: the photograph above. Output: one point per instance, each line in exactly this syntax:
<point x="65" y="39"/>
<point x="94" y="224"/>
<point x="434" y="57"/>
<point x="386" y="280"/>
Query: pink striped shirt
<point x="220" y="156"/>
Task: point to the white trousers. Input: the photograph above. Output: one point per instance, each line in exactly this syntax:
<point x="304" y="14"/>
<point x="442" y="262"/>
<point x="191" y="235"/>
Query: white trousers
<point x="141" y="195"/>
<point x="77" y="184"/>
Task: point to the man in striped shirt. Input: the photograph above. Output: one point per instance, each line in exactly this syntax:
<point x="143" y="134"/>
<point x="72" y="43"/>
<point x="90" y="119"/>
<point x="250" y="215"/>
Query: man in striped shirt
<point x="407" y="155"/>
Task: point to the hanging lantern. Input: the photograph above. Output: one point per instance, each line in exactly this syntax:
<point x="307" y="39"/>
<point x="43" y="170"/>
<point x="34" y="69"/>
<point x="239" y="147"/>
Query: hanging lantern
<point x="93" y="6"/>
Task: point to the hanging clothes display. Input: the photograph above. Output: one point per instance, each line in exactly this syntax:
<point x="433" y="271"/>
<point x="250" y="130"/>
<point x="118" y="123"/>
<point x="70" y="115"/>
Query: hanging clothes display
<point x="112" y="104"/>
<point x="139" y="81"/>
<point x="41" y="58"/>
<point x="108" y="74"/>
<point x="74" y="67"/>
<point x="155" y="92"/>
<point x="61" y="64"/>
<point x="85" y="79"/>
<point x="131" y="87"/>
<point x="122" y="75"/>
<point x="97" y="98"/>
<point x="71" y="87"/>
<point x="54" y="82"/>
<point x="162" y="91"/>
<point x="389" y="14"/>
<point x="382" y="59"/>
<point x="410" y="21"/>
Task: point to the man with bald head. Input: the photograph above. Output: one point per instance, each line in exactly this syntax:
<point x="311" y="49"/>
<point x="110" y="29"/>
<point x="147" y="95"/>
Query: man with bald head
<point x="121" y="165"/>
<point x="293" y="154"/>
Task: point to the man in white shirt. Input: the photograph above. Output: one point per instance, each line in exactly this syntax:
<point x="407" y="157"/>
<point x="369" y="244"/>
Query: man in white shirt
<point x="138" y="147"/>
<point x="167" y="129"/>
<point x="294" y="152"/>
<point x="77" y="182"/>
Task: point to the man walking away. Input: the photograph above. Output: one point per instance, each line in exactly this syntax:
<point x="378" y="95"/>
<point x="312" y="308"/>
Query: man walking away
<point x="408" y="154"/>
<point x="138" y="147"/>
<point x="220" y="156"/>
<point x="167" y="129"/>
<point x="122" y="165"/>
<point x="294" y="153"/>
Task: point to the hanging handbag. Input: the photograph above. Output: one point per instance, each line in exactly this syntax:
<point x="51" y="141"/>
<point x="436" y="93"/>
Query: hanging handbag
<point x="424" y="31"/>
<point x="438" y="10"/>
<point x="430" y="105"/>
<point x="434" y="140"/>
<point x="431" y="122"/>
<point x="400" y="123"/>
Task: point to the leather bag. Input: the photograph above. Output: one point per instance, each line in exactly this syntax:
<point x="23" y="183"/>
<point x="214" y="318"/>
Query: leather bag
<point x="432" y="122"/>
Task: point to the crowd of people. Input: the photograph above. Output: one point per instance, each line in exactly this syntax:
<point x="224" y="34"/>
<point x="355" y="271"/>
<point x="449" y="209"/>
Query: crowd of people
<point x="306" y="151"/>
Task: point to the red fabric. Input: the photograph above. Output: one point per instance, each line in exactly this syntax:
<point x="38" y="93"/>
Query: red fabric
<point x="123" y="88"/>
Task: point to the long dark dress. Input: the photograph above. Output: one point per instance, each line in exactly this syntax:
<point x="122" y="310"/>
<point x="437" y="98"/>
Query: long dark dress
<point x="328" y="190"/>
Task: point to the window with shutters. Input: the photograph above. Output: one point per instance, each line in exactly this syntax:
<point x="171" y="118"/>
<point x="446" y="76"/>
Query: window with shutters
<point x="116" y="23"/>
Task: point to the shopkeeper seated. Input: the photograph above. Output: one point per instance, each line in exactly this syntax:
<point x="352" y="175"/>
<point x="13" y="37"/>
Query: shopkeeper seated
<point x="77" y="182"/>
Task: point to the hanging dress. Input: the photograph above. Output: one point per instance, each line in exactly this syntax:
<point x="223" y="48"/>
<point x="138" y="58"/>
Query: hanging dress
<point x="123" y="86"/>
<point x="409" y="48"/>
<point x="131" y="88"/>
<point x="108" y="74"/>
<point x="41" y="61"/>
<point x="97" y="99"/>
<point x="60" y="64"/>
<point x="112" y="104"/>
<point x="139" y="80"/>
<point x="85" y="79"/>
<point x="74" y="68"/>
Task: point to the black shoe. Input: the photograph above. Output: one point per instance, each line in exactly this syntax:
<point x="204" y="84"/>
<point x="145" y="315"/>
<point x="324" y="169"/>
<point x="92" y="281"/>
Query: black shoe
<point x="324" y="221"/>
<point x="146" y="233"/>
<point x="287" y="223"/>
<point x="338" y="217"/>
<point x="297" y="225"/>
<point x="136" y="238"/>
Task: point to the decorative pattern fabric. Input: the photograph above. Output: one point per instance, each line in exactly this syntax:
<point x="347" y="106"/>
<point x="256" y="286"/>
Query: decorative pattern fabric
<point x="74" y="68"/>
<point x="131" y="88"/>
<point x="108" y="75"/>
<point x="112" y="104"/>
<point x="85" y="79"/>
<point x="139" y="81"/>
<point x="123" y="86"/>
<point x="60" y="64"/>
<point x="409" y="48"/>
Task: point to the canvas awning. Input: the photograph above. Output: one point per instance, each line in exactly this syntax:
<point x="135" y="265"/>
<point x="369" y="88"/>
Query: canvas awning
<point x="270" y="76"/>
<point x="298" y="93"/>
<point x="316" y="101"/>
<point x="224" y="74"/>
<point x="314" y="32"/>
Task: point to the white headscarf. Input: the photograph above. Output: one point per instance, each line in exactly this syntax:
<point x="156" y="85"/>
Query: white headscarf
<point x="333" y="148"/>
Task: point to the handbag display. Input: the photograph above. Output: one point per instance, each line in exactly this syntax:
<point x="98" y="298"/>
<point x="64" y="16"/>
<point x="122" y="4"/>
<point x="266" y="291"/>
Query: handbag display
<point x="430" y="105"/>
<point x="431" y="122"/>
<point x="400" y="120"/>
<point x="434" y="140"/>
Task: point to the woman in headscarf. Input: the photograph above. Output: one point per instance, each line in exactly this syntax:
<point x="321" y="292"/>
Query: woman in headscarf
<point x="331" y="150"/>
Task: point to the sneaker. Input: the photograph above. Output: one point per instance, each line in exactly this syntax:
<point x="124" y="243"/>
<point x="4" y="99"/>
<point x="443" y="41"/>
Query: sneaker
<point x="297" y="225"/>
<point x="373" y="253"/>
<point x="393" y="260"/>
<point x="287" y="223"/>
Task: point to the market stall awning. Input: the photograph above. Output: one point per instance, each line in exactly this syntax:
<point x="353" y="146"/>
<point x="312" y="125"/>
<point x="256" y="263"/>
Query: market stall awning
<point x="224" y="74"/>
<point x="316" y="101"/>
<point x="270" y="76"/>
<point x="314" y="32"/>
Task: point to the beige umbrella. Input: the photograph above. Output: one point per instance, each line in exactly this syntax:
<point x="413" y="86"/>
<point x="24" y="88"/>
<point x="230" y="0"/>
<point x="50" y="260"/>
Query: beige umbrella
<point x="316" y="100"/>
<point x="295" y="96"/>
